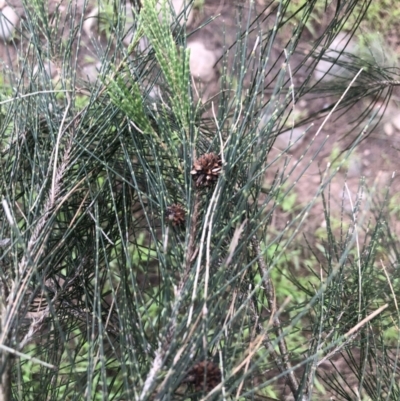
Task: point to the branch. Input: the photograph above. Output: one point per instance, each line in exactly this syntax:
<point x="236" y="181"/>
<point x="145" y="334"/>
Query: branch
<point x="285" y="364"/>
<point x="5" y="358"/>
<point x="191" y="252"/>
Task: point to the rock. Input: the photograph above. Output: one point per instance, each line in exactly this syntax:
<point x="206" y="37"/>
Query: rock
<point x="8" y="21"/>
<point x="396" y="121"/>
<point x="293" y="137"/>
<point x="5" y="242"/>
<point x="202" y="61"/>
<point x="388" y="128"/>
<point x="49" y="68"/>
<point x="91" y="71"/>
<point x="91" y="21"/>
<point x="354" y="168"/>
<point x="325" y="69"/>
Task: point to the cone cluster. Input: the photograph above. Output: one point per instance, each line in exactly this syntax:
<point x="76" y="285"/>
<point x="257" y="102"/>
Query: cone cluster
<point x="204" y="375"/>
<point x="176" y="215"/>
<point x="206" y="170"/>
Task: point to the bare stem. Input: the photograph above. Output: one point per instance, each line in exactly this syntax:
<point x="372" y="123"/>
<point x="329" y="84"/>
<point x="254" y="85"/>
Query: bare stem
<point x="191" y="252"/>
<point x="284" y="365"/>
<point x="5" y="358"/>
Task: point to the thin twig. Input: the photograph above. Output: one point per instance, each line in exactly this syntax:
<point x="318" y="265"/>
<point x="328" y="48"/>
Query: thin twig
<point x="365" y="321"/>
<point x="192" y="235"/>
<point x="385" y="83"/>
<point x="352" y="332"/>
<point x="30" y="256"/>
<point x="285" y="364"/>
<point x="32" y="94"/>
<point x="338" y="102"/>
<point x="5" y="360"/>
<point x="354" y="217"/>
<point x="25" y="356"/>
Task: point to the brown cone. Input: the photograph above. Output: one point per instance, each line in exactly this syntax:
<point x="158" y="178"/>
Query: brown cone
<point x="204" y="375"/>
<point x="176" y="214"/>
<point x="206" y="169"/>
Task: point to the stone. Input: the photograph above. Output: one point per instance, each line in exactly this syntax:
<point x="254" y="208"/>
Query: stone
<point x="5" y="242"/>
<point x="355" y="165"/>
<point x="8" y="21"/>
<point x="293" y="137"/>
<point x="396" y="121"/>
<point x="91" y="21"/>
<point x="388" y="128"/>
<point x="328" y="71"/>
<point x="49" y="68"/>
<point x="202" y="61"/>
<point x="91" y="71"/>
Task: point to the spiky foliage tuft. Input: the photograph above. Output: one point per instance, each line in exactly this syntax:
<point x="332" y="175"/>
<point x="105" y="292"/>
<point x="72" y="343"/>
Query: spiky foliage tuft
<point x="100" y="299"/>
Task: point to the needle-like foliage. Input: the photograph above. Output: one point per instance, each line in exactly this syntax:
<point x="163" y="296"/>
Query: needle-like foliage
<point x="137" y="249"/>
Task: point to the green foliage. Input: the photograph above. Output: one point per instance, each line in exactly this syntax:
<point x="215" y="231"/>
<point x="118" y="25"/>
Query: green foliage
<point x="378" y="16"/>
<point x="173" y="60"/>
<point x="104" y="298"/>
<point x="381" y="16"/>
